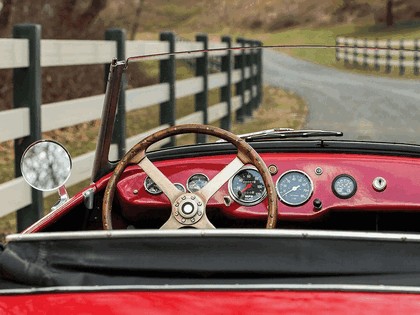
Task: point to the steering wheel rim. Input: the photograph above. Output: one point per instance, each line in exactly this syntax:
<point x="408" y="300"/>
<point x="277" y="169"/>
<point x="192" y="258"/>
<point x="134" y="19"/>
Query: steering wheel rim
<point x="196" y="201"/>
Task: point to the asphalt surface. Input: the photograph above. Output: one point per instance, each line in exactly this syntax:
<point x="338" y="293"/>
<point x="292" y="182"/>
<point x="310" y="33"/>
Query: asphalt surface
<point x="363" y="107"/>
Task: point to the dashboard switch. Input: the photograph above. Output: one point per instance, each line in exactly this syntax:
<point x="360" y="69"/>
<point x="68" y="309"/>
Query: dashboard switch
<point x="317" y="204"/>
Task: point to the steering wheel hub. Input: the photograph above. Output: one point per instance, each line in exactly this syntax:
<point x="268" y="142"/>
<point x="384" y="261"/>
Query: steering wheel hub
<point x="188" y="209"/>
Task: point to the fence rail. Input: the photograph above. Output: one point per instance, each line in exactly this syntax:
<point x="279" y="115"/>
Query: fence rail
<point x="26" y="54"/>
<point x="388" y="54"/>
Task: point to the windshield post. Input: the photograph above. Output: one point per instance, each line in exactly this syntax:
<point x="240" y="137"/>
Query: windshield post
<point x="101" y="164"/>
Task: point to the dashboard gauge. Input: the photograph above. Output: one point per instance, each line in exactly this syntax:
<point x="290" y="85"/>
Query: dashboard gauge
<point x="151" y="186"/>
<point x="294" y="188"/>
<point x="154" y="189"/>
<point x="344" y="186"/>
<point x="180" y="187"/>
<point x="247" y="187"/>
<point x="196" y="182"/>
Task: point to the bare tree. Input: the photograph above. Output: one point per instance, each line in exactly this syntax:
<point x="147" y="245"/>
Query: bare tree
<point x="136" y="22"/>
<point x="75" y="19"/>
<point x="389" y="14"/>
<point x="5" y="13"/>
<point x="87" y="17"/>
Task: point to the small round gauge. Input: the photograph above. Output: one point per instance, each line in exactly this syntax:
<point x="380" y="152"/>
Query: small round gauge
<point x="180" y="187"/>
<point x="344" y="186"/>
<point x="154" y="189"/>
<point x="247" y="187"/>
<point x="196" y="182"/>
<point x="151" y="186"/>
<point x="294" y="188"/>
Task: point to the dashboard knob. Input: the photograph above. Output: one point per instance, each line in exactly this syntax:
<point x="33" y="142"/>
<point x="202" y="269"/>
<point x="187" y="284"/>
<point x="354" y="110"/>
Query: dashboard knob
<point x="317" y="204"/>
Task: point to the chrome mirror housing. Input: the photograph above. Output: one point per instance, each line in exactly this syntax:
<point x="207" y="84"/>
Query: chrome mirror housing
<point x="46" y="166"/>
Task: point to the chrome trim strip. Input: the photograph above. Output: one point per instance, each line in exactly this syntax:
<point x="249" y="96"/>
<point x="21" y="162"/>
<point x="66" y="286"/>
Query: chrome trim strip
<point x="219" y="287"/>
<point x="306" y="234"/>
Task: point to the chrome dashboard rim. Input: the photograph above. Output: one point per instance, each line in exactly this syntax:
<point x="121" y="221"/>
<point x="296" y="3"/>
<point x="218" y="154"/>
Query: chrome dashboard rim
<point x="298" y="203"/>
<point x="233" y="195"/>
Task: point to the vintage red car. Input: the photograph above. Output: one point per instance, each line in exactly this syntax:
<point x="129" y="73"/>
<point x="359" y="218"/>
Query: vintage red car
<point x="296" y="221"/>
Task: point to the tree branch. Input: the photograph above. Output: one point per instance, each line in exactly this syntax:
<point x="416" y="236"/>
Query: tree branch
<point x="6" y="13"/>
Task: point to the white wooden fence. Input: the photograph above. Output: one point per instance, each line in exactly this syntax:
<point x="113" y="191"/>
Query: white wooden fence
<point x="15" y="123"/>
<point x="400" y="54"/>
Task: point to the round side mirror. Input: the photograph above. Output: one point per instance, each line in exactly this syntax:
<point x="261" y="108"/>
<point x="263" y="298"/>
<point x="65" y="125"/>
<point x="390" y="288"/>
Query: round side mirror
<point x="46" y="165"/>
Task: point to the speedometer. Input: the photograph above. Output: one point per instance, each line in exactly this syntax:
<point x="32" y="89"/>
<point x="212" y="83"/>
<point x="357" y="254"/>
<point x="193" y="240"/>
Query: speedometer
<point x="294" y="188"/>
<point x="247" y="187"/>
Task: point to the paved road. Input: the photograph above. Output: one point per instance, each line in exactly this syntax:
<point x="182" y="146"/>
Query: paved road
<point x="363" y="107"/>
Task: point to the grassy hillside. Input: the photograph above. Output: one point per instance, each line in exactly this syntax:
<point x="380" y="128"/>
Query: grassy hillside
<point x="218" y="16"/>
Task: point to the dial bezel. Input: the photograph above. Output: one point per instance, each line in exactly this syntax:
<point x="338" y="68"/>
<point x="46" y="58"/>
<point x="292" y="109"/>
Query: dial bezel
<point x="301" y="202"/>
<point x="187" y="186"/>
<point x="179" y="185"/>
<point x="150" y="192"/>
<point x="336" y="193"/>
<point x="242" y="202"/>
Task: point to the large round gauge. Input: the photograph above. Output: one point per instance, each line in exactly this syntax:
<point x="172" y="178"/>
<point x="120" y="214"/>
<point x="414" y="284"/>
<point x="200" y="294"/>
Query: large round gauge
<point x="294" y="188"/>
<point x="247" y="187"/>
<point x="344" y="186"/>
<point x="196" y="182"/>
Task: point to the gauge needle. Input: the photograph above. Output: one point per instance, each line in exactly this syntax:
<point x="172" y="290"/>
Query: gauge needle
<point x="246" y="187"/>
<point x="293" y="189"/>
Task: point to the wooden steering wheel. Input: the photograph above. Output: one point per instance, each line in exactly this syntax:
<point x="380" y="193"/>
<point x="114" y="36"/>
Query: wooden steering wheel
<point x="189" y="209"/>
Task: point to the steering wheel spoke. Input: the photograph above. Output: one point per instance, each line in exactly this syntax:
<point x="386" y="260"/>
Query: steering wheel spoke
<point x="222" y="177"/>
<point x="167" y="187"/>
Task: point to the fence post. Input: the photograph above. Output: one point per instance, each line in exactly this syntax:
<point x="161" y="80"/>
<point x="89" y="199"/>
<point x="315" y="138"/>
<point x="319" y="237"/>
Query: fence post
<point x="401" y="57"/>
<point x="346" y="51"/>
<point x="201" y="99"/>
<point x="355" y="52"/>
<point x="240" y="86"/>
<point x="248" y="81"/>
<point x="119" y="133"/>
<point x="27" y="92"/>
<point x="225" y="91"/>
<point x="388" y="56"/>
<point x="365" y="55"/>
<point x="337" y="49"/>
<point x="260" y="74"/>
<point x="167" y="75"/>
<point x="416" y="57"/>
<point x="376" y="55"/>
<point x="254" y="74"/>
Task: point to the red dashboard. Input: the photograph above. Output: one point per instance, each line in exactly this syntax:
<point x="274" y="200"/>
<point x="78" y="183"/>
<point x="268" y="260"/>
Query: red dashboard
<point x="333" y="182"/>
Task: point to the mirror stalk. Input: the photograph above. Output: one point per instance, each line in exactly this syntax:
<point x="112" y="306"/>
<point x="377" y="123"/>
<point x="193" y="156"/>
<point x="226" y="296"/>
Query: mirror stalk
<point x="64" y="197"/>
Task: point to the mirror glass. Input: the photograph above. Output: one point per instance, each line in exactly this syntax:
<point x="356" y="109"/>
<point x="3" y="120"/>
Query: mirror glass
<point x="46" y="165"/>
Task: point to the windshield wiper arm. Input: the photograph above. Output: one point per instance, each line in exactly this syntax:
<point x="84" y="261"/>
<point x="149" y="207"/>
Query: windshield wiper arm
<point x="284" y="133"/>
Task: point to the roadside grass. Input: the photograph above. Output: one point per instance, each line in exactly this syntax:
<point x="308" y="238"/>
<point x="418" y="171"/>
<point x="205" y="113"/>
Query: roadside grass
<point x="280" y="109"/>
